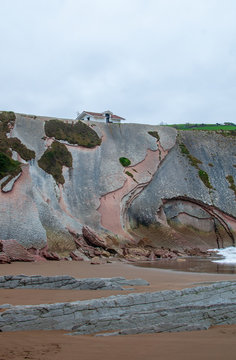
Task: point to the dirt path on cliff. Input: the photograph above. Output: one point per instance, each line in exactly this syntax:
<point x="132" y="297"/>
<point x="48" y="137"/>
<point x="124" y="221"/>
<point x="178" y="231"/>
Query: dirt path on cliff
<point x="216" y="343"/>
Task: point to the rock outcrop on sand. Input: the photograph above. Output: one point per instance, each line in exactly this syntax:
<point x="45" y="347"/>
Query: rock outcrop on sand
<point x="177" y="193"/>
<point x="67" y="282"/>
<point x="172" y="310"/>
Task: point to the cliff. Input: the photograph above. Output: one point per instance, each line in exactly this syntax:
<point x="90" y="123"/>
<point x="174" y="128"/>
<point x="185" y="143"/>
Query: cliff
<point x="178" y="191"/>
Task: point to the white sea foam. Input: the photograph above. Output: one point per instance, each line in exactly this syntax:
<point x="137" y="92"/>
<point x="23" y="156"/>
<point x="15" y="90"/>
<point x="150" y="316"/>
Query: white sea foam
<point x="229" y="255"/>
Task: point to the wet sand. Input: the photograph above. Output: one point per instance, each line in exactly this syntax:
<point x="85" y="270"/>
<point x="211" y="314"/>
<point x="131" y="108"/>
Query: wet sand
<point x="216" y="343"/>
<point x="192" y="264"/>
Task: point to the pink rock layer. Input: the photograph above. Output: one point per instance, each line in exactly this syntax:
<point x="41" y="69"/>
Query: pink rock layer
<point x="111" y="208"/>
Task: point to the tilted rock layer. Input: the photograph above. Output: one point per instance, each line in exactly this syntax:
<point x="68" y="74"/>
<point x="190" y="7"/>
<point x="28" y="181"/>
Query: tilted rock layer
<point x="170" y="310"/>
<point x="159" y="199"/>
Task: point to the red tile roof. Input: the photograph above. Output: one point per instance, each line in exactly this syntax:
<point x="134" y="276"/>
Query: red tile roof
<point x="102" y="115"/>
<point x="94" y="114"/>
<point x="117" y="117"/>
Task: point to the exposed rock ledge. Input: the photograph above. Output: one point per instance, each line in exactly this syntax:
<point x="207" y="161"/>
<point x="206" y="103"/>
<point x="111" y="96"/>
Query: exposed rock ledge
<point x="67" y="282"/>
<point x="194" y="308"/>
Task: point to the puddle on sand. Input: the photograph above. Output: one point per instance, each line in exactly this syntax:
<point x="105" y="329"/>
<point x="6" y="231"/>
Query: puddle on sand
<point x="190" y="264"/>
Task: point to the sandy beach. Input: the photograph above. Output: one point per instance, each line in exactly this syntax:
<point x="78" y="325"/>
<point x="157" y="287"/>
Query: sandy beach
<point x="215" y="343"/>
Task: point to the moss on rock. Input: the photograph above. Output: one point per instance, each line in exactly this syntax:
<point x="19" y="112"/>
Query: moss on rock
<point x="21" y="149"/>
<point x="8" y="166"/>
<point x="54" y="158"/>
<point x="183" y="149"/>
<point x="205" y="178"/>
<point x="232" y="186"/>
<point x="193" y="160"/>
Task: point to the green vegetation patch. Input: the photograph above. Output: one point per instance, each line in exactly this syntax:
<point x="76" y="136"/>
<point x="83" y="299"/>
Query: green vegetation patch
<point x="196" y="162"/>
<point x="193" y="160"/>
<point x="124" y="161"/>
<point x="78" y="133"/>
<point x="231" y="182"/>
<point x="208" y="127"/>
<point x="21" y="149"/>
<point x="205" y="178"/>
<point x="54" y="158"/>
<point x="8" y="166"/>
<point x="7" y="117"/>
<point x="154" y="134"/>
<point x="7" y="120"/>
<point x="183" y="149"/>
<point x="131" y="175"/>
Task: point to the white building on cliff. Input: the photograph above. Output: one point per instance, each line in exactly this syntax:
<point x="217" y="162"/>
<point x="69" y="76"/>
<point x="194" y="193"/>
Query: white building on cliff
<point x="106" y="116"/>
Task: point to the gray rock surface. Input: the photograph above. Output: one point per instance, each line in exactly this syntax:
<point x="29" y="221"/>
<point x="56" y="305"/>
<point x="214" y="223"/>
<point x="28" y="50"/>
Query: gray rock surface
<point x="37" y="208"/>
<point x="177" y="195"/>
<point x="9" y="186"/>
<point x="170" y="310"/>
<point x="67" y="282"/>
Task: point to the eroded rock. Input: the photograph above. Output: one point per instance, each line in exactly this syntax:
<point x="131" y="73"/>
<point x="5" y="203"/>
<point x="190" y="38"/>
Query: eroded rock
<point x="4" y="259"/>
<point x="169" y="310"/>
<point x="16" y="252"/>
<point x="92" y="238"/>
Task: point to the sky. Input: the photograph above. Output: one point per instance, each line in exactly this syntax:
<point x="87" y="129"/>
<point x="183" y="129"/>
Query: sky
<point x="149" y="61"/>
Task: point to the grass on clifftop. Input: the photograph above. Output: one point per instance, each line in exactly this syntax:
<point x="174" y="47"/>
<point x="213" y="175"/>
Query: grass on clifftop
<point x="207" y="127"/>
<point x="78" y="133"/>
<point x="54" y="158"/>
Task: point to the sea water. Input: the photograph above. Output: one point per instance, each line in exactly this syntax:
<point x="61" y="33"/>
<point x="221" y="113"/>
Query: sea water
<point x="228" y="254"/>
<point x="222" y="262"/>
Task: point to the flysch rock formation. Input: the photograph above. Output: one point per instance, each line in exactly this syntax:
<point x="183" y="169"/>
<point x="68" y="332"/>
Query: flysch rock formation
<point x="159" y="200"/>
<point x="170" y="310"/>
<point x="67" y="282"/>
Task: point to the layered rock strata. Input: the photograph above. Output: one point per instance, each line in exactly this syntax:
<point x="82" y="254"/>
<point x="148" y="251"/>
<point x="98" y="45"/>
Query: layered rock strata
<point x="178" y="192"/>
<point x="67" y="282"/>
<point x="172" y="310"/>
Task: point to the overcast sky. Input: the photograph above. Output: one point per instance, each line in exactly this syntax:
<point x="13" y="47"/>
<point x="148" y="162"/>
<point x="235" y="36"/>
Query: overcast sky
<point x="150" y="61"/>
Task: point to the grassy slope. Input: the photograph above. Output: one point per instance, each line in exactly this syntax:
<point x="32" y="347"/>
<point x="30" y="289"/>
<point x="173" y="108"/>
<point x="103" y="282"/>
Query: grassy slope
<point x="207" y="127"/>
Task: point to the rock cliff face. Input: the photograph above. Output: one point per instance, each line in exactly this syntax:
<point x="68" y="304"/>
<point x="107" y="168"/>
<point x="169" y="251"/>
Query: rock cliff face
<point x="176" y="193"/>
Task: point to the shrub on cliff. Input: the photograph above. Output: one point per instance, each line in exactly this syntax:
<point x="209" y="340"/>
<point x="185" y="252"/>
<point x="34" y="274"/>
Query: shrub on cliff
<point x="7" y="120"/>
<point x="7" y="117"/>
<point x="8" y="166"/>
<point x="78" y="133"/>
<point x="154" y="134"/>
<point x="54" y="158"/>
<point x="124" y="161"/>
<point x="21" y="149"/>
<point x="205" y="178"/>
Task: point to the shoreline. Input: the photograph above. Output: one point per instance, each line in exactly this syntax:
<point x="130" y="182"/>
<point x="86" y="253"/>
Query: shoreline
<point x="216" y="343"/>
